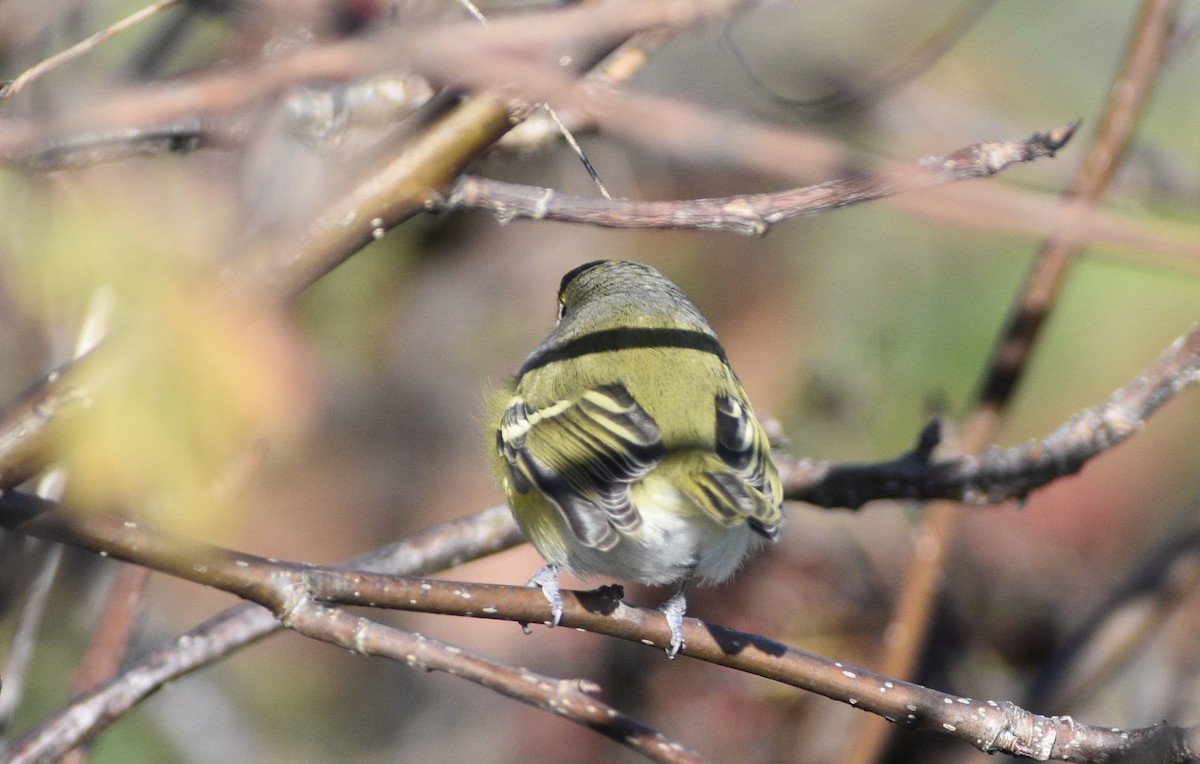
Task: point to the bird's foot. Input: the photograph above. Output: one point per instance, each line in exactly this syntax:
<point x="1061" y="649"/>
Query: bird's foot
<point x="673" y="609"/>
<point x="547" y="580"/>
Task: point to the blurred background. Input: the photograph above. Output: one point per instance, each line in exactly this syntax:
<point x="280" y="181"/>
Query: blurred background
<point x="365" y="398"/>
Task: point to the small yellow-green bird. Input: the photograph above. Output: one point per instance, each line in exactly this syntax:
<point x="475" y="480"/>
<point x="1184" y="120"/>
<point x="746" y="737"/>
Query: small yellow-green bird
<point x="626" y="445"/>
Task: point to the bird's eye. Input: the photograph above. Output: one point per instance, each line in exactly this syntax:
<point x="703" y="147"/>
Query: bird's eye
<point x="562" y="310"/>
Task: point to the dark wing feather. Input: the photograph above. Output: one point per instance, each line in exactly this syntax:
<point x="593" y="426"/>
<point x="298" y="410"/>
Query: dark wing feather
<point x="583" y="454"/>
<point x="743" y="446"/>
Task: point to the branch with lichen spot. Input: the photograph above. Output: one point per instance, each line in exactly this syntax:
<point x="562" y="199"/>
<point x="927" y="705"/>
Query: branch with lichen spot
<point x="90" y="713"/>
<point x="301" y="597"/>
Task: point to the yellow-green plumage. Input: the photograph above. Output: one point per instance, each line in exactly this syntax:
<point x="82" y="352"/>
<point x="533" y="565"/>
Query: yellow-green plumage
<point x="625" y="444"/>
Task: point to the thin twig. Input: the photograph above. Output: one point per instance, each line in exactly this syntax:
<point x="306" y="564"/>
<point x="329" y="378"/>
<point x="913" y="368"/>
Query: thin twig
<point x="559" y="125"/>
<point x="51" y="485"/>
<point x="1127" y="99"/>
<point x="45" y="562"/>
<point x="615" y="71"/>
<point x="753" y="214"/>
<point x="569" y="137"/>
<point x="80" y="48"/>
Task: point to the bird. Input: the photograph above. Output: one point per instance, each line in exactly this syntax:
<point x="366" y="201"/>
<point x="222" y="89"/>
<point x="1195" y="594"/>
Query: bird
<point x="626" y="446"/>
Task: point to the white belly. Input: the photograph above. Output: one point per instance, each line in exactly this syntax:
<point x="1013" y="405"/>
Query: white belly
<point x="674" y="542"/>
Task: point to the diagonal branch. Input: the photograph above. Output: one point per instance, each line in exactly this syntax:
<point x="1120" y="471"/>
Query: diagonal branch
<point x="88" y="714"/>
<point x="573" y="699"/>
<point x="295" y="592"/>
<point x="275" y="269"/>
<point x="285" y="590"/>
<point x="10" y="89"/>
<point x="997" y="475"/>
<point x="453" y="130"/>
<point x="753" y="214"/>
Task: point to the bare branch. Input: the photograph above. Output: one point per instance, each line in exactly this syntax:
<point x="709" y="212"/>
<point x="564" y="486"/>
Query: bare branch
<point x="7" y="90"/>
<point x="1002" y="474"/>
<point x="753" y="214"/>
<point x="436" y="548"/>
<point x="274" y="268"/>
<point x="990" y="726"/>
<point x="292" y="592"/>
<point x="1128" y="96"/>
<point x="285" y="589"/>
<point x="572" y="699"/>
<point x="424" y="49"/>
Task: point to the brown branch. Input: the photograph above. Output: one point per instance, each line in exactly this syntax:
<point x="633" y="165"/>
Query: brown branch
<point x="275" y="268"/>
<point x="279" y="268"/>
<point x="423" y="49"/>
<point x="922" y="582"/>
<point x="436" y="548"/>
<point x="990" y="726"/>
<point x="753" y="214"/>
<point x="285" y="589"/>
<point x="573" y="699"/>
<point x="110" y="638"/>
<point x="112" y="634"/>
<point x="295" y="592"/>
<point x="996" y="475"/>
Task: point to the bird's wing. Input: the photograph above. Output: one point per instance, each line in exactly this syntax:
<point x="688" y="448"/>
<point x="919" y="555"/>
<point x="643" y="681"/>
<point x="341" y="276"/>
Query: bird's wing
<point x="583" y="453"/>
<point x="750" y="490"/>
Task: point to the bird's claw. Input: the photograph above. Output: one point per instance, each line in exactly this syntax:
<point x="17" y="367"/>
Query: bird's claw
<point x="673" y="609"/>
<point x="547" y="580"/>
